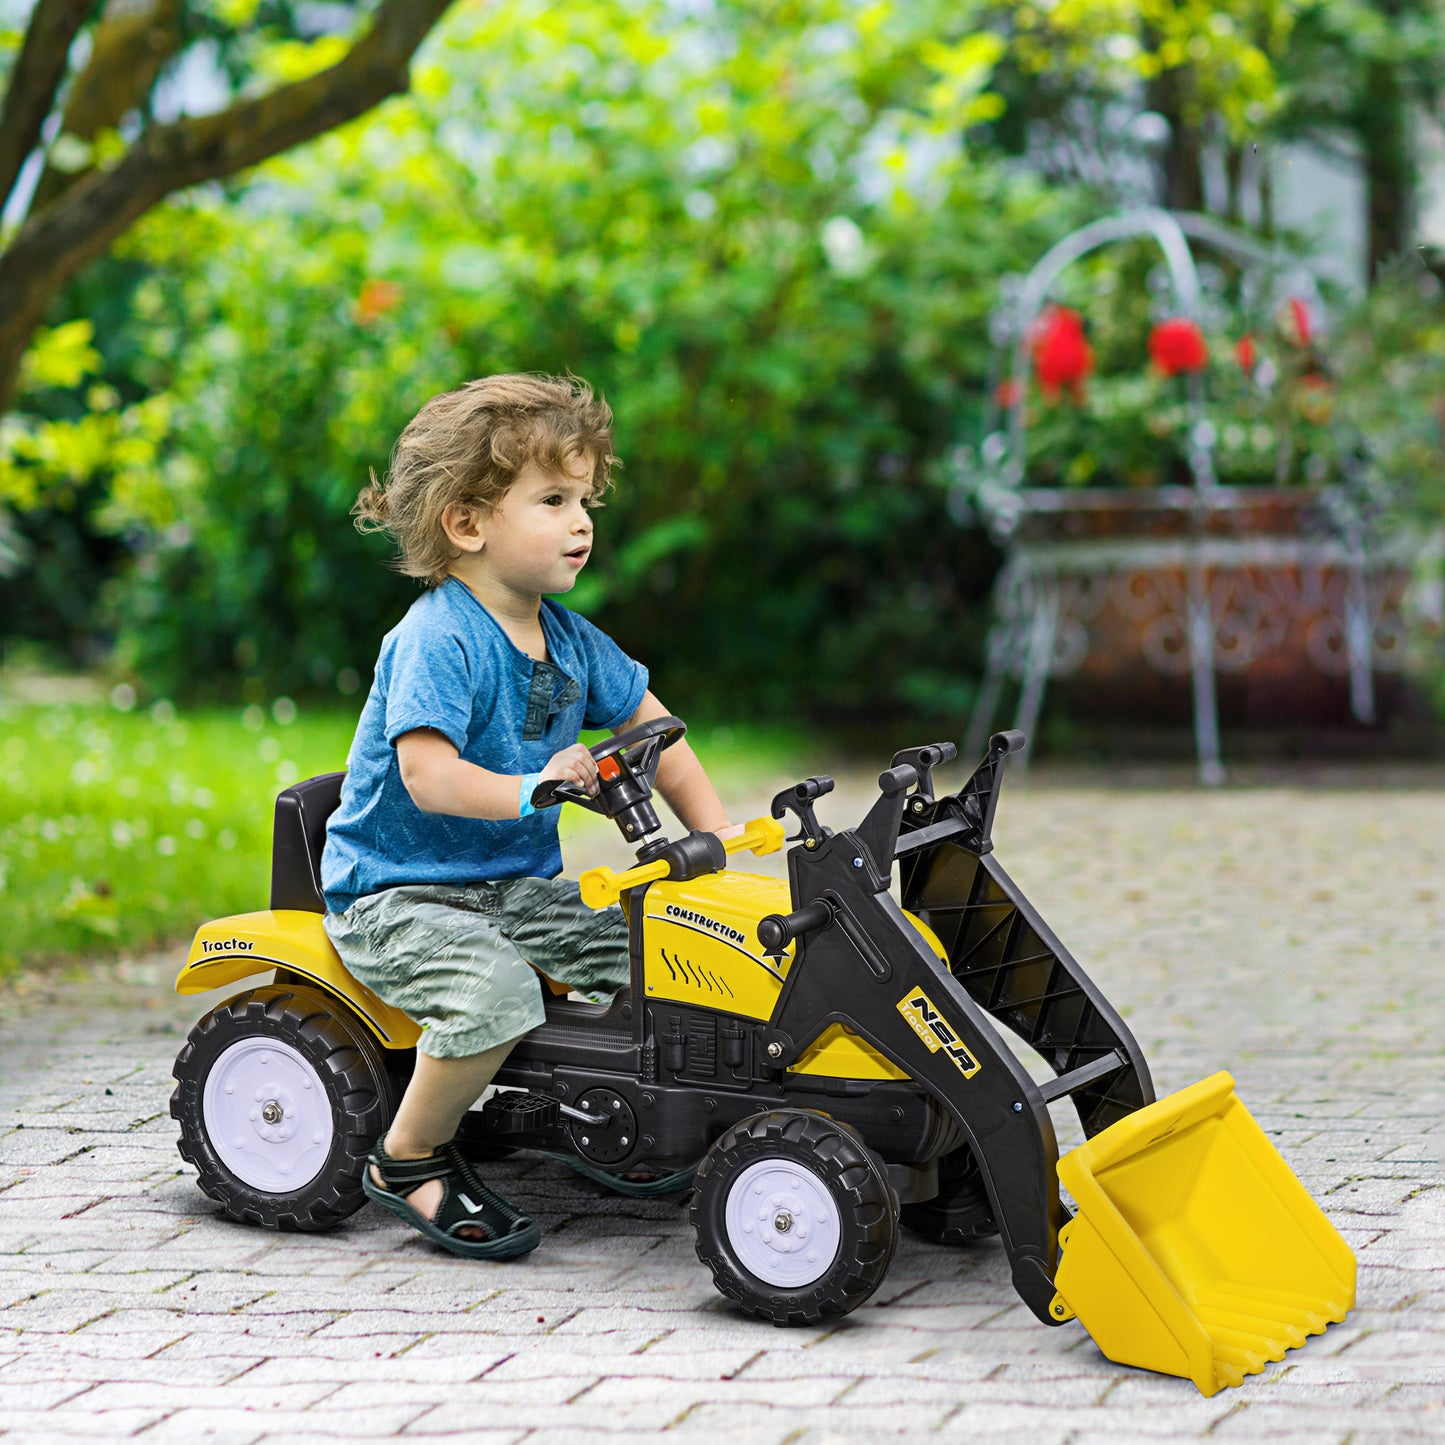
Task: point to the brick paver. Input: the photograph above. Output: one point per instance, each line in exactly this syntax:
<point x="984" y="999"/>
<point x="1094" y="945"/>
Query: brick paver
<point x="1293" y="936"/>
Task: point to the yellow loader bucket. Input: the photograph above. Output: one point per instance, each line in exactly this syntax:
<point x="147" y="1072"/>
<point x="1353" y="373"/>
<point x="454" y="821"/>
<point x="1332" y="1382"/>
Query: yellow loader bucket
<point x="1195" y="1250"/>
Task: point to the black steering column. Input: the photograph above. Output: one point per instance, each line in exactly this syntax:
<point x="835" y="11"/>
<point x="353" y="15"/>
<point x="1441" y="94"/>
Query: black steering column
<point x="626" y="771"/>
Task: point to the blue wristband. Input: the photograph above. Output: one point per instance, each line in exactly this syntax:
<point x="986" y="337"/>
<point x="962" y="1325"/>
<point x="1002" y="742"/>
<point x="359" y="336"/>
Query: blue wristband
<point x="529" y="784"/>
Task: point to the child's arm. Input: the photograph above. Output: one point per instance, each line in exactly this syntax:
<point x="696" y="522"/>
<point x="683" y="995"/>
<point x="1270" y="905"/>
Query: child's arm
<point x="441" y="781"/>
<point x="682" y="780"/>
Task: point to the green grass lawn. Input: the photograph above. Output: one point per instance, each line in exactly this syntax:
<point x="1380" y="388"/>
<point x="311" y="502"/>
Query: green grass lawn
<point x="121" y="830"/>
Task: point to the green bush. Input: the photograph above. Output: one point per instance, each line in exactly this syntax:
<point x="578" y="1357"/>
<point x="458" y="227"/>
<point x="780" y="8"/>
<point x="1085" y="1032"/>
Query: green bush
<point x="778" y="272"/>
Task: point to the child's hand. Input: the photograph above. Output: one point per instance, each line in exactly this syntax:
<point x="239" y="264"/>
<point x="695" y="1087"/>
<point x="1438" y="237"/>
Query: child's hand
<point x="572" y="765"/>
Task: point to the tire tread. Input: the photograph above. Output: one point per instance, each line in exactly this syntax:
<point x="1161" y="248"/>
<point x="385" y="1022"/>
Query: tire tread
<point x="870" y="1225"/>
<point x="360" y="1087"/>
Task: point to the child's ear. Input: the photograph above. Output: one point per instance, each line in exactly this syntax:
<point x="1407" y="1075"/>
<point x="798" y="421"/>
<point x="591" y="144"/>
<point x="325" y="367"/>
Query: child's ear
<point x="464" y="526"/>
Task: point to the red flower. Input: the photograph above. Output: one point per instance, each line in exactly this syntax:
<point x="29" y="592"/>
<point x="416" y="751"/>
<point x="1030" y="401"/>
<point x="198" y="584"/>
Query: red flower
<point x="376" y="299"/>
<point x="1245" y="354"/>
<point x="1177" y="346"/>
<point x="1061" y="352"/>
<point x="1008" y="393"/>
<point x="1303" y="331"/>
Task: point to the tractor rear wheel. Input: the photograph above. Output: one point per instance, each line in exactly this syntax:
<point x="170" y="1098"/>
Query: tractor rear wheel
<point x="280" y="1095"/>
<point x="794" y="1217"/>
<point x="960" y="1212"/>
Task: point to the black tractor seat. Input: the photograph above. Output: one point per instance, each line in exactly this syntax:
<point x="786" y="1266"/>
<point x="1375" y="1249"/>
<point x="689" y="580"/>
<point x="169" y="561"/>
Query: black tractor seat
<point x="297" y="841"/>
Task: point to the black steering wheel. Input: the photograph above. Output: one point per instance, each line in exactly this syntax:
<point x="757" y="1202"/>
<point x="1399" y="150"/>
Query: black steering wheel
<point x="659" y="733"/>
<point x="626" y="768"/>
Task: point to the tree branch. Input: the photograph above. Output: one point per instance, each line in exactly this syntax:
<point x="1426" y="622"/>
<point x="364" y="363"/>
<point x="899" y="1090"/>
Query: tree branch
<point x="129" y="45"/>
<point x="38" y="71"/>
<point x="56" y="242"/>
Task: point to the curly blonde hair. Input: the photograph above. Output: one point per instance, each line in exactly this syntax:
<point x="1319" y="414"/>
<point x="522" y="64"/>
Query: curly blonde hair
<point x="468" y="446"/>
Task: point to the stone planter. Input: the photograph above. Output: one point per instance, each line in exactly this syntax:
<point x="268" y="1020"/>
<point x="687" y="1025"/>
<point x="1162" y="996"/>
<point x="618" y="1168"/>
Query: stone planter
<point x="1250" y="605"/>
<point x="1162" y="602"/>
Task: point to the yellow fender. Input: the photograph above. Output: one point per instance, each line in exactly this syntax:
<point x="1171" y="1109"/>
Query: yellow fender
<point x="245" y="944"/>
<point x="1196" y="1251"/>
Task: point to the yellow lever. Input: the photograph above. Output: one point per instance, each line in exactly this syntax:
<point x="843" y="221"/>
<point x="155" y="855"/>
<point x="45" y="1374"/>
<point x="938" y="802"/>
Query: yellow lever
<point x="761" y="835"/>
<point x="601" y="886"/>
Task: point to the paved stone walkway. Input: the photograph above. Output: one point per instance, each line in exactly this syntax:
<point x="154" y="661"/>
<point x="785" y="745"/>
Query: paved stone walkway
<point x="1296" y="938"/>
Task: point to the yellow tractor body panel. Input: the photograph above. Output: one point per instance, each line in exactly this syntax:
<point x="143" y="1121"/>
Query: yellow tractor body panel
<point x="839" y="1053"/>
<point x="230" y="949"/>
<point x="700" y="946"/>
<point x="1196" y="1251"/>
<point x="700" y="942"/>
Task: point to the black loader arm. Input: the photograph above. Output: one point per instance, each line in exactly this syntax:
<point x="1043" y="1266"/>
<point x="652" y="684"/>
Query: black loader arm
<point x="860" y="962"/>
<point x="976" y="801"/>
<point x="1007" y="958"/>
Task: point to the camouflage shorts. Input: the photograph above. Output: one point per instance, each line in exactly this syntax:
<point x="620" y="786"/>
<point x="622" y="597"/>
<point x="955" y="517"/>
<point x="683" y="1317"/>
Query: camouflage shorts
<point x="463" y="961"/>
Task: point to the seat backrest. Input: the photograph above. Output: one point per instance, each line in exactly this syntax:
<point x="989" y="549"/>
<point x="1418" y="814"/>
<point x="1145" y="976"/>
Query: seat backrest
<point x="297" y="841"/>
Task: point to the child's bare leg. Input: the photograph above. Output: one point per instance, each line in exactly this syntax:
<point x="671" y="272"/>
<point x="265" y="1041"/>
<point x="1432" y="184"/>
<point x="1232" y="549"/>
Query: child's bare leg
<point x="439" y="1094"/>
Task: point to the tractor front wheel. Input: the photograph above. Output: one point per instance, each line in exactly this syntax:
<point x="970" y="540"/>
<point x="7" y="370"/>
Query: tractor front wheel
<point x="794" y="1217"/>
<point x="280" y="1095"/>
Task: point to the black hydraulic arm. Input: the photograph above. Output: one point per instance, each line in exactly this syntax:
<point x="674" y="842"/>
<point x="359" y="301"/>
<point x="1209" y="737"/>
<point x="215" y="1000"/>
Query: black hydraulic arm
<point x="860" y="962"/>
<point x="975" y="803"/>
<point x="1006" y="957"/>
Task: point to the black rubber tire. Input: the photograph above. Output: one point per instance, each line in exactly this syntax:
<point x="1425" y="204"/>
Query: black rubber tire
<point x="350" y="1066"/>
<point x="960" y="1212"/>
<point x="835" y="1156"/>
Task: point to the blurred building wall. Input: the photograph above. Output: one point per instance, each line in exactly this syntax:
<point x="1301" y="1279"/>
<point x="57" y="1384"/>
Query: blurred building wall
<point x="1322" y="196"/>
<point x="1431" y="225"/>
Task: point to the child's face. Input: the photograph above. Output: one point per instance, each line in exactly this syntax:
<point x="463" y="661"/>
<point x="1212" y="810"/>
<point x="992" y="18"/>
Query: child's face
<point x="539" y="536"/>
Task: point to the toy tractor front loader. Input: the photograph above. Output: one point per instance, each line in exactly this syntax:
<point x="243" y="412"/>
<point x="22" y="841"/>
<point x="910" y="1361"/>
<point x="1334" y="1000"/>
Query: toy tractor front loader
<point x="826" y="1060"/>
<point x="1194" y="1250"/>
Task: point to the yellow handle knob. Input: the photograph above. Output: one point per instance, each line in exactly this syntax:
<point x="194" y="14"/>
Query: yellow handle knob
<point x="761" y="835"/>
<point x="601" y="886"/>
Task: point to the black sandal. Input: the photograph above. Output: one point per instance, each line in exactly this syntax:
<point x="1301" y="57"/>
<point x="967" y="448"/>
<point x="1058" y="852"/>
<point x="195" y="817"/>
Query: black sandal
<point x="466" y="1201"/>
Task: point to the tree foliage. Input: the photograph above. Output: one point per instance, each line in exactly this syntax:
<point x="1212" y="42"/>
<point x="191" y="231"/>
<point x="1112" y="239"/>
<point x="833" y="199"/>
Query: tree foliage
<point x="1362" y="74"/>
<point x="770" y="230"/>
<point x="1348" y="76"/>
<point x="758" y="230"/>
<point x="109" y="156"/>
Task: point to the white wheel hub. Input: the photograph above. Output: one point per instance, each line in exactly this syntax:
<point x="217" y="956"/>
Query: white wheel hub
<point x="783" y="1223"/>
<point x="267" y="1115"/>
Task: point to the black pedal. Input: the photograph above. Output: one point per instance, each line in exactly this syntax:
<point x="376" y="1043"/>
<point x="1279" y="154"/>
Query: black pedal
<point x="518" y="1112"/>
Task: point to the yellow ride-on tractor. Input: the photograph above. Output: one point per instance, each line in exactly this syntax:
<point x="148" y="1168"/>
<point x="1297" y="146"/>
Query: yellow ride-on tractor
<point x="820" y="1059"/>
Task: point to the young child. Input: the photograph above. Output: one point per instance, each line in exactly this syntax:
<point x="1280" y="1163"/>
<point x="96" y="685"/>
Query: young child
<point x="440" y="879"/>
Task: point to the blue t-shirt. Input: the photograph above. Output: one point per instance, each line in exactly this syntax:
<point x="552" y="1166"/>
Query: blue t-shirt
<point x="448" y="665"/>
